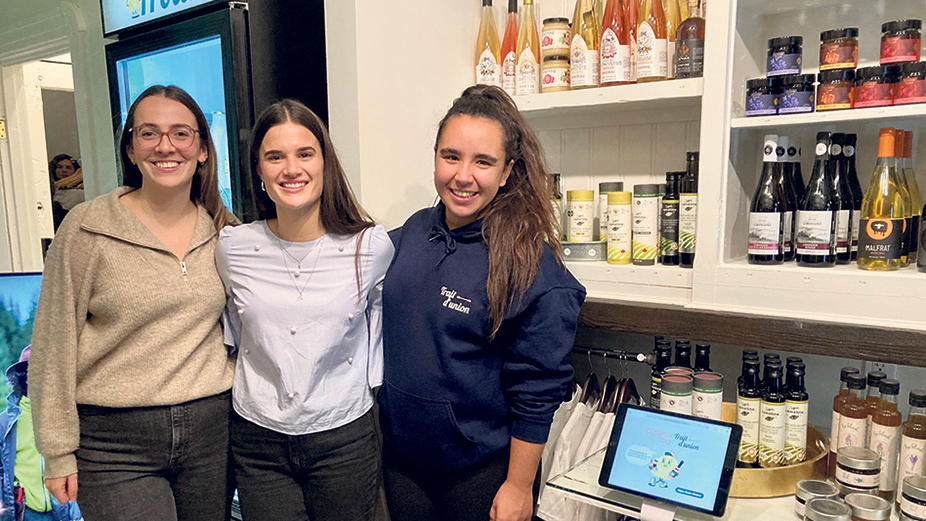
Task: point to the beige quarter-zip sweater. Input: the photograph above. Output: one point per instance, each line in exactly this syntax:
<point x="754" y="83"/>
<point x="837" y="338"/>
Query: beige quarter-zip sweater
<point x="122" y="322"/>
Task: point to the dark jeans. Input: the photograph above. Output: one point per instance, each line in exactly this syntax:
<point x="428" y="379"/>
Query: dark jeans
<point x="332" y="475"/>
<point x="165" y="463"/>
<point x="415" y="493"/>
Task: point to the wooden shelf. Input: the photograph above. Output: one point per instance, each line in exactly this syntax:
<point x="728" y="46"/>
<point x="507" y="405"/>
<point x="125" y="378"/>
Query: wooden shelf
<point x="819" y="119"/>
<point x="640" y="96"/>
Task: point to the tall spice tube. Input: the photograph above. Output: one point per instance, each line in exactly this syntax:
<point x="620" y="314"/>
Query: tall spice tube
<point x="838" y="401"/>
<point x="615" y="46"/>
<point x="528" y="52"/>
<point x="651" y="42"/>
<point x="885" y="436"/>
<point x="584" y="41"/>
<point x="488" y="62"/>
<point x="509" y="51"/>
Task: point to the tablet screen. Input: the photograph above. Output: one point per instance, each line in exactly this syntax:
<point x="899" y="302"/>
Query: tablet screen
<point x="685" y="460"/>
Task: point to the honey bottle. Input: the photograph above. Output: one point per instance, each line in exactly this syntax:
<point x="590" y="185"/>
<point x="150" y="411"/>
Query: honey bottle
<point x="838" y="402"/>
<point x="885" y="436"/>
<point x="853" y="415"/>
<point x="913" y="439"/>
<point x="873" y="399"/>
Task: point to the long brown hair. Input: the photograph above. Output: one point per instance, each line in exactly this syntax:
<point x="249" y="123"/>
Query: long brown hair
<point x="520" y="219"/>
<point x="339" y="212"/>
<point x="205" y="189"/>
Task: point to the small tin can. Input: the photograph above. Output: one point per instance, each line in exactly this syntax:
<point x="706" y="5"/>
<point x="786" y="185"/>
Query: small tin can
<point x="785" y="55"/>
<point x="858" y="469"/>
<point x="675" y="393"/>
<point x="912" y="85"/>
<point x="900" y="41"/>
<point x="808" y="489"/>
<point x="821" y="509"/>
<point x="645" y="224"/>
<point x="677" y="369"/>
<point x="874" y="86"/>
<point x="580" y="211"/>
<point x="603" y="190"/>
<point x="913" y="499"/>
<point x="554" y="75"/>
<point x="707" y="397"/>
<point x="620" y="224"/>
<point x="554" y="37"/>
<point x="839" y="49"/>
<point x="835" y="90"/>
<point x="762" y="97"/>
<point x="797" y="94"/>
<point x="866" y="507"/>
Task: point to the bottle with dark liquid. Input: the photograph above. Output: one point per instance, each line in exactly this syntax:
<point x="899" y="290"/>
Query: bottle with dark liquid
<point x="767" y="362"/>
<point x="748" y="354"/>
<point x="848" y="154"/>
<point x="702" y="358"/>
<point x="906" y="165"/>
<point x="913" y="439"/>
<point x="921" y="250"/>
<point x="899" y="137"/>
<point x="853" y="415"/>
<point x="767" y="211"/>
<point x="885" y="436"/>
<point x="793" y="168"/>
<point x="816" y="218"/>
<point x="790" y="200"/>
<point x="668" y="232"/>
<point x="838" y="401"/>
<point x="682" y="353"/>
<point x="663" y="360"/>
<point x="772" y="420"/>
<point x="688" y="212"/>
<point x="689" y="44"/>
<point x="844" y="200"/>
<point x="748" y="403"/>
<point x="797" y="403"/>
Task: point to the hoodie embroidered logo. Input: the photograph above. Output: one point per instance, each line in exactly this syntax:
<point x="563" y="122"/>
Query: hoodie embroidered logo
<point x="451" y="299"/>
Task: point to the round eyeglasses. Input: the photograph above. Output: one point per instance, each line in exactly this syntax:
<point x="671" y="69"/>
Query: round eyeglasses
<point x="148" y="136"/>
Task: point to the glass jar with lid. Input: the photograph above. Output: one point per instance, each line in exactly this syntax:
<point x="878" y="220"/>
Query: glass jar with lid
<point x="839" y="49"/>
<point x="900" y="41"/>
<point x="821" y="509"/>
<point x="554" y="37"/>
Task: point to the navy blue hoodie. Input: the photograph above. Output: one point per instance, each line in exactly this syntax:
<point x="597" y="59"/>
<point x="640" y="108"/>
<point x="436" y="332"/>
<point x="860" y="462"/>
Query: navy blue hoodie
<point x="452" y="398"/>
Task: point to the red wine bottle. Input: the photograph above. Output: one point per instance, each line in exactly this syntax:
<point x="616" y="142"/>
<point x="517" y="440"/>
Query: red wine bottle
<point x="767" y="211"/>
<point x="844" y="199"/>
<point x="784" y="182"/>
<point x="793" y="168"/>
<point x="816" y="218"/>
<point x="848" y="154"/>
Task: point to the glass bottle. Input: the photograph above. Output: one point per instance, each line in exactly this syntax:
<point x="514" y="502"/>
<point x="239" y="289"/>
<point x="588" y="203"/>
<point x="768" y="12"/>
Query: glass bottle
<point x="816" y="218"/>
<point x="853" y="415"/>
<point x="528" y="80"/>
<point x="689" y="43"/>
<point x="913" y="439"/>
<point x="766" y="213"/>
<point x="848" y="154"/>
<point x="673" y="21"/>
<point x="921" y="252"/>
<point x="670" y="220"/>
<point x="615" y="46"/>
<point x="598" y="7"/>
<point x="772" y="420"/>
<point x="793" y="168"/>
<point x="885" y="436"/>
<point x="915" y="197"/>
<point x="882" y="218"/>
<point x="748" y="403"/>
<point x="844" y="199"/>
<point x="663" y="360"/>
<point x="682" y="353"/>
<point x="899" y="136"/>
<point x="629" y="10"/>
<point x="873" y="395"/>
<point x="584" y="41"/>
<point x="702" y="358"/>
<point x="651" y="42"/>
<point x="790" y="200"/>
<point x="797" y="403"/>
<point x="748" y="354"/>
<point x="838" y="401"/>
<point x="488" y="61"/>
<point x="509" y="51"/>
<point x="688" y="212"/>
<point x="558" y="201"/>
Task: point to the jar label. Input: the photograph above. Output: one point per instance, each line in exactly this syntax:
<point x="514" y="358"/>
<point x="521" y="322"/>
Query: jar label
<point x="584" y="64"/>
<point x="885" y="440"/>
<point x="687" y="222"/>
<point x="619" y="226"/>
<point x="707" y="404"/>
<point x="615" y="58"/>
<point x="834" y="432"/>
<point x="758" y="104"/>
<point x="651" y="53"/>
<point x="780" y="63"/>
<point x="912" y="453"/>
<point x="528" y="73"/>
<point x="814" y="234"/>
<point x="873" y="94"/>
<point x="771" y="433"/>
<point x="581" y="220"/>
<point x="675" y="402"/>
<point x="834" y="96"/>
<point x="910" y="90"/>
<point x="510" y="73"/>
<point x="747" y="415"/>
<point x="799" y="508"/>
<point x="794" y="101"/>
<point x="554" y="42"/>
<point x="765" y="233"/>
<point x="842" y="55"/>
<point x="689" y="58"/>
<point x="670" y="57"/>
<point x="488" y="71"/>
<point x="896" y="49"/>
<point x="857" y="480"/>
<point x="795" y="431"/>
<point x="853" y="432"/>
<point x="645" y="230"/>
<point x="655" y="386"/>
<point x="909" y="508"/>
<point x="554" y="78"/>
<point x="843" y="218"/>
<point x="668" y="233"/>
<point x="881" y="239"/>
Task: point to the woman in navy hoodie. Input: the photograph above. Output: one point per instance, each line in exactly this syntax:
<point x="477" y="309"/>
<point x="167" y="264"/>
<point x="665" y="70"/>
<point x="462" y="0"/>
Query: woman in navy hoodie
<point x="479" y="314"/>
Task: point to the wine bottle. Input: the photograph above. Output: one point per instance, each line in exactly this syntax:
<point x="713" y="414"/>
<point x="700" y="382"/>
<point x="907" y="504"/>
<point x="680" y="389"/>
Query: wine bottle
<point x="921" y="252"/>
<point x="615" y="46"/>
<point x="651" y="41"/>
<point x="689" y="44"/>
<point x="766" y="213"/>
<point x="598" y="7"/>
<point x="881" y="225"/>
<point x="816" y="218"/>
<point x="488" y="62"/>
<point x="848" y="153"/>
<point x="915" y="197"/>
<point x="528" y="52"/>
<point x="684" y="11"/>
<point x="702" y="358"/>
<point x="793" y="168"/>
<point x="790" y="201"/>
<point x="772" y="420"/>
<point x="509" y="52"/>
<point x="673" y="21"/>
<point x="844" y="200"/>
<point x="899" y="136"/>
<point x="630" y="10"/>
<point x="663" y="360"/>
<point x="682" y="353"/>
<point x="669" y="224"/>
<point x="688" y="212"/>
<point x="584" y="41"/>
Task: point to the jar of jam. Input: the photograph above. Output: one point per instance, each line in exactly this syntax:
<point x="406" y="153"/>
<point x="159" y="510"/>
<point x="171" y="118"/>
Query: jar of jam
<point x="797" y="94"/>
<point x="839" y="49"/>
<point x="866" y="507"/>
<point x="900" y="41"/>
<point x="874" y="86"/>
<point x="554" y="75"/>
<point x="912" y="85"/>
<point x="808" y="489"/>
<point x="913" y="498"/>
<point x="785" y="55"/>
<point x="858" y="469"/>
<point x="835" y="90"/>
<point x="821" y="509"/>
<point x="762" y="97"/>
<point x="554" y="37"/>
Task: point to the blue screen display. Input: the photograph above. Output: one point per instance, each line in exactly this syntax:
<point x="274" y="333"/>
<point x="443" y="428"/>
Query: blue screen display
<point x="196" y="67"/>
<point x="671" y="458"/>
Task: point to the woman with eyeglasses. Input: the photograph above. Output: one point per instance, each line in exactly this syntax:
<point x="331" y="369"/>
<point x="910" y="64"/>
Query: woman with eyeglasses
<point x="129" y="376"/>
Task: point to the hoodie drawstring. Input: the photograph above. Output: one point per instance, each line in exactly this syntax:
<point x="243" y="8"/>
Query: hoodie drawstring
<point x="450" y="245"/>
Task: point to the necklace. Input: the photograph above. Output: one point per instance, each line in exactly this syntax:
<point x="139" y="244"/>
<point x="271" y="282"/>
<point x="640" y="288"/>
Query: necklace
<point x="292" y="276"/>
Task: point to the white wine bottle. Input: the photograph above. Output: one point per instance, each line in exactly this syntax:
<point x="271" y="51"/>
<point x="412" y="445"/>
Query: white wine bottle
<point x="881" y="226"/>
<point x="488" y="61"/>
<point x="528" y="81"/>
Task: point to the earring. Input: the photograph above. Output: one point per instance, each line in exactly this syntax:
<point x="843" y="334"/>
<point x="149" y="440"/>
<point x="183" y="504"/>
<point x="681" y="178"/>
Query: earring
<point x="262" y="187"/>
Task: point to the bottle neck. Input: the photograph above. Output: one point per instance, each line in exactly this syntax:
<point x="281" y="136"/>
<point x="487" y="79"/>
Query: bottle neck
<point x="889" y="401"/>
<point x="856" y="394"/>
<point x="873" y="391"/>
<point x="917" y="411"/>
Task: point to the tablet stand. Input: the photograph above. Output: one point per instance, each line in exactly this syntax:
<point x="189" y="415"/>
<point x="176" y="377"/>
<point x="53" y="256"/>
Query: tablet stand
<point x="653" y="511"/>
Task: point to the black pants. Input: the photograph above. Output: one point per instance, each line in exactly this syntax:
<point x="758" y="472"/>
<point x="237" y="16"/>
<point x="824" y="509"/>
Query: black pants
<point x="332" y="475"/>
<point x="420" y="494"/>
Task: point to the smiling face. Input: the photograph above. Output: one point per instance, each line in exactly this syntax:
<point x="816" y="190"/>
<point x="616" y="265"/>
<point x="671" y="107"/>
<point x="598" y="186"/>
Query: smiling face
<point x="163" y="164"/>
<point x="291" y="165"/>
<point x="469" y="167"/>
<point x="64" y="169"/>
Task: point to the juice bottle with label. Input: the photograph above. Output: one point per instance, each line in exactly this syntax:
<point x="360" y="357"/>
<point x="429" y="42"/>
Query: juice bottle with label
<point x="772" y="420"/>
<point x="673" y="20"/>
<point x="584" y="41"/>
<point x="629" y="9"/>
<point x="853" y="415"/>
<point x="528" y="71"/>
<point x="913" y="439"/>
<point x="615" y="46"/>
<point x="488" y="61"/>
<point x="838" y="401"/>
<point x="885" y="436"/>
<point x="652" y="44"/>
<point x="873" y="397"/>
<point x="748" y="402"/>
<point x="509" y="52"/>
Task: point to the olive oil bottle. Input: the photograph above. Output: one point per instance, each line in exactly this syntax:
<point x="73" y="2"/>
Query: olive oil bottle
<point x="881" y="224"/>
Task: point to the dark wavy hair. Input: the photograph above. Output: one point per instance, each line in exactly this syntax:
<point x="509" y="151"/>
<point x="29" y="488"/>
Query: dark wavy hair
<point x="205" y="189"/>
<point x="520" y="219"/>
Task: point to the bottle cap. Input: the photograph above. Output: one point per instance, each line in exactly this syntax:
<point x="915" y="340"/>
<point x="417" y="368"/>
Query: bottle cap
<point x="793" y="359"/>
<point x="708" y="381"/>
<point x="890" y="386"/>
<point x="858" y="458"/>
<point x="614" y="186"/>
<point x="797" y="79"/>
<point x="786" y="41"/>
<point x="692" y="156"/>
<point x="918" y="398"/>
<point x="856" y="381"/>
<point x="915" y="487"/>
<point x="702" y="348"/>
<point x="846" y="371"/>
<point x="901" y="25"/>
<point x="556" y="20"/>
<point x="798" y="369"/>
<point x="875" y="377"/>
<point x="845" y="32"/>
<point x="808" y="489"/>
<point x="913" y="68"/>
<point x="750" y="352"/>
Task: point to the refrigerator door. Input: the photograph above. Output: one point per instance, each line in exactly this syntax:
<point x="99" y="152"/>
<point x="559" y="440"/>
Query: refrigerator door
<point x="200" y="56"/>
